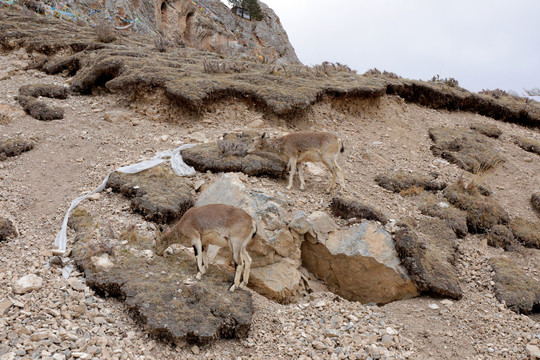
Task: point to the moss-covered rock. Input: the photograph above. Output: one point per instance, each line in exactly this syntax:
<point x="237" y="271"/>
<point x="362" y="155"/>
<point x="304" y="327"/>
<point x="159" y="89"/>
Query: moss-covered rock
<point x="487" y="129"/>
<point x="428" y="252"/>
<point x="526" y="232"/>
<point x="465" y="148"/>
<point x="157" y="193"/>
<point x="528" y="144"/>
<point x="535" y="202"/>
<point x="514" y="287"/>
<point x="7" y="229"/>
<point x="14" y="146"/>
<point x="482" y="211"/>
<point x="501" y="236"/>
<point x="40" y="110"/>
<point x="348" y="207"/>
<point x="455" y="218"/>
<point x="162" y="293"/>
<point x="230" y="155"/>
<point x="401" y="180"/>
<point x="45" y="90"/>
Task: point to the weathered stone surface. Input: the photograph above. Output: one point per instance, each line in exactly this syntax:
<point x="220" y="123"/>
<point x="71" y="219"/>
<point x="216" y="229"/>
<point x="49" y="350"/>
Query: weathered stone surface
<point x="157" y="193"/>
<point x="428" y="252"/>
<point x="5" y="305"/>
<point x="465" y="148"/>
<point x="40" y="110"/>
<point x="7" y="229"/>
<point x="8" y="112"/>
<point x="229" y="155"/>
<point x="14" y="146"/>
<point x="27" y="283"/>
<point x="163" y="294"/>
<point x="520" y="292"/>
<point x="359" y="264"/>
<point x="275" y="250"/>
<point x="348" y="207"/>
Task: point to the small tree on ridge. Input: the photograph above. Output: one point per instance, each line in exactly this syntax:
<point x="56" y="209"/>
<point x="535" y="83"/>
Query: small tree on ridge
<point x="250" y="5"/>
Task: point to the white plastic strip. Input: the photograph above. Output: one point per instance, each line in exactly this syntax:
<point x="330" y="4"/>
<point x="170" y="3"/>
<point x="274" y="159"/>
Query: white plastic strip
<point x="177" y="163"/>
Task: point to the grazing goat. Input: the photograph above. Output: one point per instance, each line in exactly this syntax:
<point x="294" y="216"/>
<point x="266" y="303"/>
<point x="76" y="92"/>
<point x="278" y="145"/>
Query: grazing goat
<point x="215" y="224"/>
<point x="305" y="146"/>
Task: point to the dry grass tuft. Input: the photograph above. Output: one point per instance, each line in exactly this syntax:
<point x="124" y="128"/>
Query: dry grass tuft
<point x="105" y="33"/>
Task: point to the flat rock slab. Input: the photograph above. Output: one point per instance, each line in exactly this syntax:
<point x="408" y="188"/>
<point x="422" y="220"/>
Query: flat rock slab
<point x="157" y="193"/>
<point x="428" y="252"/>
<point x="14" y="147"/>
<point x="230" y="155"/>
<point x="162" y="292"/>
<point x="466" y="148"/>
<point x="519" y="291"/>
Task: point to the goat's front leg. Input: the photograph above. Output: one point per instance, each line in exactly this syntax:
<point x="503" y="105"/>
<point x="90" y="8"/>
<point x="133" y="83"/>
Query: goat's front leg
<point x="292" y="167"/>
<point x="197" y="247"/>
<point x="204" y="259"/>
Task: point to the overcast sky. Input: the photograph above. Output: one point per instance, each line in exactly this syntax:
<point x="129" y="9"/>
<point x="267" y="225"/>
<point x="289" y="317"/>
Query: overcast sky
<point x="482" y="44"/>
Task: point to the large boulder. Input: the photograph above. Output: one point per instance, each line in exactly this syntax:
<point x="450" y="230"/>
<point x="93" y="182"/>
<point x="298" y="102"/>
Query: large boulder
<point x="428" y="252"/>
<point x="275" y="250"/>
<point x="359" y="263"/>
<point x="520" y="292"/>
<point x="161" y="292"/>
<point x="157" y="193"/>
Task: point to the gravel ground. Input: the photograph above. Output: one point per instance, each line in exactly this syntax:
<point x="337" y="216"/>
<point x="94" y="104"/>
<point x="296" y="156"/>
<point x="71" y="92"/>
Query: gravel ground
<point x="64" y="319"/>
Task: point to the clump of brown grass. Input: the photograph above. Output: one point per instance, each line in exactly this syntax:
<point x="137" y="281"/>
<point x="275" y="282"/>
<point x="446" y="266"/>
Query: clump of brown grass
<point x="105" y="32"/>
<point x="160" y="43"/>
<point x="328" y="69"/>
<point x="376" y="71"/>
<point x="527" y="232"/>
<point x="447" y="81"/>
<point x="487" y="129"/>
<point x="222" y="67"/>
<point x="528" y="144"/>
<point x="412" y="191"/>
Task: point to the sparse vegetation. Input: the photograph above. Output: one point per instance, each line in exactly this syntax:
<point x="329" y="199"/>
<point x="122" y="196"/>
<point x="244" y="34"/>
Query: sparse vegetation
<point x="526" y="232"/>
<point x="528" y="144"/>
<point x="407" y="182"/>
<point x="348" y="208"/>
<point x="376" y="71"/>
<point x="105" y="32"/>
<point x="487" y="129"/>
<point x="447" y="81"/>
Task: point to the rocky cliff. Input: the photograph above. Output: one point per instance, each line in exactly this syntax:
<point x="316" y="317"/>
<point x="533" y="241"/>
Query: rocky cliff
<point x="205" y="25"/>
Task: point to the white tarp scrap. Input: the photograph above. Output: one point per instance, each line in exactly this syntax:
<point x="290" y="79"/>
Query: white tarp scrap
<point x="177" y="163"/>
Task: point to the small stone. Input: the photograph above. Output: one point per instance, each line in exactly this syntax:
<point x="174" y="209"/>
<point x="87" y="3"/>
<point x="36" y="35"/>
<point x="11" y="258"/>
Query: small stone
<point x="95" y="196"/>
<point x="102" y="262"/>
<point x="255" y="124"/>
<point x="391" y="331"/>
<point x="447" y="302"/>
<point x="534" y="351"/>
<point x="5" y="305"/>
<point x="27" y="283"/>
<point x="77" y="284"/>
<point x="195" y="349"/>
<point x="433" y="306"/>
<point x="164" y="138"/>
<point x="318" y="345"/>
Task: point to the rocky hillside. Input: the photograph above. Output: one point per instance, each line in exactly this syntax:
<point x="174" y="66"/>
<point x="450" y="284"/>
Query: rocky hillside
<point x="430" y="252"/>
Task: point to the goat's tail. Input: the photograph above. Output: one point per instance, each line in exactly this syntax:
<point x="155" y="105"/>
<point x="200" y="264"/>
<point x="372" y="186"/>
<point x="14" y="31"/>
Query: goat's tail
<point x="342" y="148"/>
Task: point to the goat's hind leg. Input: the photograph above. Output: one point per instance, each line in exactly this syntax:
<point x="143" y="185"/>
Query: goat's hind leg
<point x="247" y="266"/>
<point x="197" y="248"/>
<point x="238" y="269"/>
<point x="292" y="170"/>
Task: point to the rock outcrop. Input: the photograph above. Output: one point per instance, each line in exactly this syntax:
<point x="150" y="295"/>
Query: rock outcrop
<point x="520" y="292"/>
<point x="157" y="193"/>
<point x="359" y="263"/>
<point x="161" y="292"/>
<point x="428" y="252"/>
<point x="275" y="250"/>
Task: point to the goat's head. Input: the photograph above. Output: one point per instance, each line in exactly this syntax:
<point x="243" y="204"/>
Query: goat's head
<point x="161" y="241"/>
<point x="258" y="143"/>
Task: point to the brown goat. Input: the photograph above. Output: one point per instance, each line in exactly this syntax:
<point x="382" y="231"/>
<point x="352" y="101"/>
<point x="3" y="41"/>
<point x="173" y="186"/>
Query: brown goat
<point x="305" y="146"/>
<point x="216" y="224"/>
